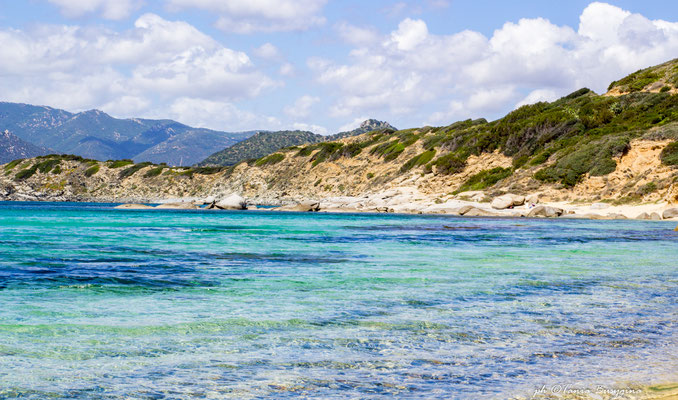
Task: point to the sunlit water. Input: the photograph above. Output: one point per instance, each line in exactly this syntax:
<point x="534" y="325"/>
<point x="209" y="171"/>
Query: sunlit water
<point x="111" y="304"/>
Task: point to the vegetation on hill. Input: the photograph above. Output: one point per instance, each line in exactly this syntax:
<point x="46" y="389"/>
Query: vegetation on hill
<point x="265" y="143"/>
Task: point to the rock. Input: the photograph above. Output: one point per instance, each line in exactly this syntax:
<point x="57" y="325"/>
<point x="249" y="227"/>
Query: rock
<point x="301" y="207"/>
<point x="232" y="202"/>
<point x="133" y="207"/>
<point x="464" y="210"/>
<point x="507" y="201"/>
<point x="545" y="211"/>
<point x="670" y="213"/>
<point x="473" y="195"/>
<point x="177" y="206"/>
<point x="532" y="199"/>
<point x="616" y="216"/>
<point x="655" y="217"/>
<point x="644" y="215"/>
<point x="478" y="212"/>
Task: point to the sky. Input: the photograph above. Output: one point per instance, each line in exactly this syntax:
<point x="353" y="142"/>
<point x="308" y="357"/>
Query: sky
<point x="322" y="65"/>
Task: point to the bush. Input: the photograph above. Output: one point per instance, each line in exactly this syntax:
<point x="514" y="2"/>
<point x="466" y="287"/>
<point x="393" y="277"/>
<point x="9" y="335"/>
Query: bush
<point x="669" y="155"/>
<point x="485" y="179"/>
<point x="126" y="173"/>
<point x="664" y="89"/>
<point x="92" y="170"/>
<point x="13" y="164"/>
<point x="326" y="151"/>
<point x="270" y="160"/>
<point x="449" y="164"/>
<point x="46" y="166"/>
<point x="389" y="150"/>
<point x="153" y="172"/>
<point x="419" y="160"/>
<point x="120" y="163"/>
<point x="25" y="173"/>
<point x="307" y="150"/>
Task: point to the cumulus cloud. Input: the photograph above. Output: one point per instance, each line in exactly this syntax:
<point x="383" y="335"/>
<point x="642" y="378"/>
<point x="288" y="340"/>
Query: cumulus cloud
<point x="109" y="9"/>
<point x="132" y="72"/>
<point x="221" y="115"/>
<point x="302" y="107"/>
<point x="248" y="16"/>
<point x="412" y="71"/>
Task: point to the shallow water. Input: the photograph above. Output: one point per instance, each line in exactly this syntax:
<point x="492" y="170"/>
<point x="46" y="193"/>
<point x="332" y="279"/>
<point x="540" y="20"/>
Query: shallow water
<point x="101" y="303"/>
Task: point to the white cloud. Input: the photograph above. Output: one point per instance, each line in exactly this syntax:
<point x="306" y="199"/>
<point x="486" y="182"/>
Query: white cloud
<point x="248" y="16"/>
<point x="219" y="115"/>
<point x="302" y="107"/>
<point x="109" y="9"/>
<point x="355" y="35"/>
<point x="538" y="95"/>
<point x="321" y="130"/>
<point x="267" y="51"/>
<point x="128" y="73"/>
<point x="287" y="69"/>
<point x="414" y="72"/>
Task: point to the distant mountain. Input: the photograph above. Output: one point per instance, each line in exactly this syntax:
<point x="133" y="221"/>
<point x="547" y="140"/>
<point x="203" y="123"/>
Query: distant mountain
<point x="12" y="148"/>
<point x="95" y="134"/>
<point x="265" y="142"/>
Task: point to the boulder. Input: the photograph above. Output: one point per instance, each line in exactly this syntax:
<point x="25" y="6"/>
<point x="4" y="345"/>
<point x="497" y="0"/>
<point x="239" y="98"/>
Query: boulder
<point x="670" y="213"/>
<point x="532" y="199"/>
<point x="177" y="206"/>
<point x="655" y="217"/>
<point x="545" y="212"/>
<point x="473" y="195"/>
<point x="616" y="216"/>
<point x="644" y="216"/>
<point x="301" y="207"/>
<point x="507" y="201"/>
<point x="232" y="202"/>
<point x="464" y="210"/>
<point x="133" y="207"/>
<point x="479" y="212"/>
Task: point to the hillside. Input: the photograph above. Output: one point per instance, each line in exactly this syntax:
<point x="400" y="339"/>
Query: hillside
<point x="264" y="143"/>
<point x="95" y="134"/>
<point x="259" y="145"/>
<point x="12" y="147"/>
<point x="584" y="147"/>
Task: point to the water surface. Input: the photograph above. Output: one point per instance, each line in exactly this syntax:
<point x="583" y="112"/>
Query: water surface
<point x="97" y="303"/>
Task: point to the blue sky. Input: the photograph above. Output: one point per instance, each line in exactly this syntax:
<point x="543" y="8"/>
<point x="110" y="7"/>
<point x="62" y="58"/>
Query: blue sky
<point x="321" y="65"/>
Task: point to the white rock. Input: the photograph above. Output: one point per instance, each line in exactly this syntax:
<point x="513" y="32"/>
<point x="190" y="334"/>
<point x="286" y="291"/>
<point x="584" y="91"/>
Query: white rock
<point x="232" y="202"/>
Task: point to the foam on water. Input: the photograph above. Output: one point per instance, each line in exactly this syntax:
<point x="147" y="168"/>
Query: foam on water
<point x="102" y="303"/>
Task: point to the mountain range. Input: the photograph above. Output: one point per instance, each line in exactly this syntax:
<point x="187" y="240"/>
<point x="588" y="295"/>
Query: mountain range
<point x="266" y="142"/>
<point x="96" y="135"/>
<point x="12" y="148"/>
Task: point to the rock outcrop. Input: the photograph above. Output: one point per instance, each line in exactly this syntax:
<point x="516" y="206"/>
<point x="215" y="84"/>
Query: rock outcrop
<point x="670" y="213"/>
<point x="232" y="202"/>
<point x="545" y="212"/>
<point x="507" y="201"/>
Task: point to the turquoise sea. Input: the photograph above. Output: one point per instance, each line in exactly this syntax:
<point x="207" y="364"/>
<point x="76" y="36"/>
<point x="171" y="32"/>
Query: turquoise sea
<point x="97" y="303"/>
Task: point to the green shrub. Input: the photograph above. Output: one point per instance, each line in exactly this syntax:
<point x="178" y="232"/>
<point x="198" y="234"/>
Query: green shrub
<point x="270" y="160"/>
<point x="153" y="172"/>
<point x="307" y="150"/>
<point x="595" y="158"/>
<point x="10" y="165"/>
<point x="647" y="189"/>
<point x="370" y="175"/>
<point x="327" y="150"/>
<point x="25" y="173"/>
<point x="418" y="160"/>
<point x="56" y="170"/>
<point x="351" y="150"/>
<point x="664" y="89"/>
<point x="485" y="179"/>
<point x="47" y="165"/>
<point x="211" y="170"/>
<point x="120" y="163"/>
<point x="449" y="164"/>
<point x="92" y="170"/>
<point x="669" y="155"/>
<point x="127" y="172"/>
<point x="389" y="150"/>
